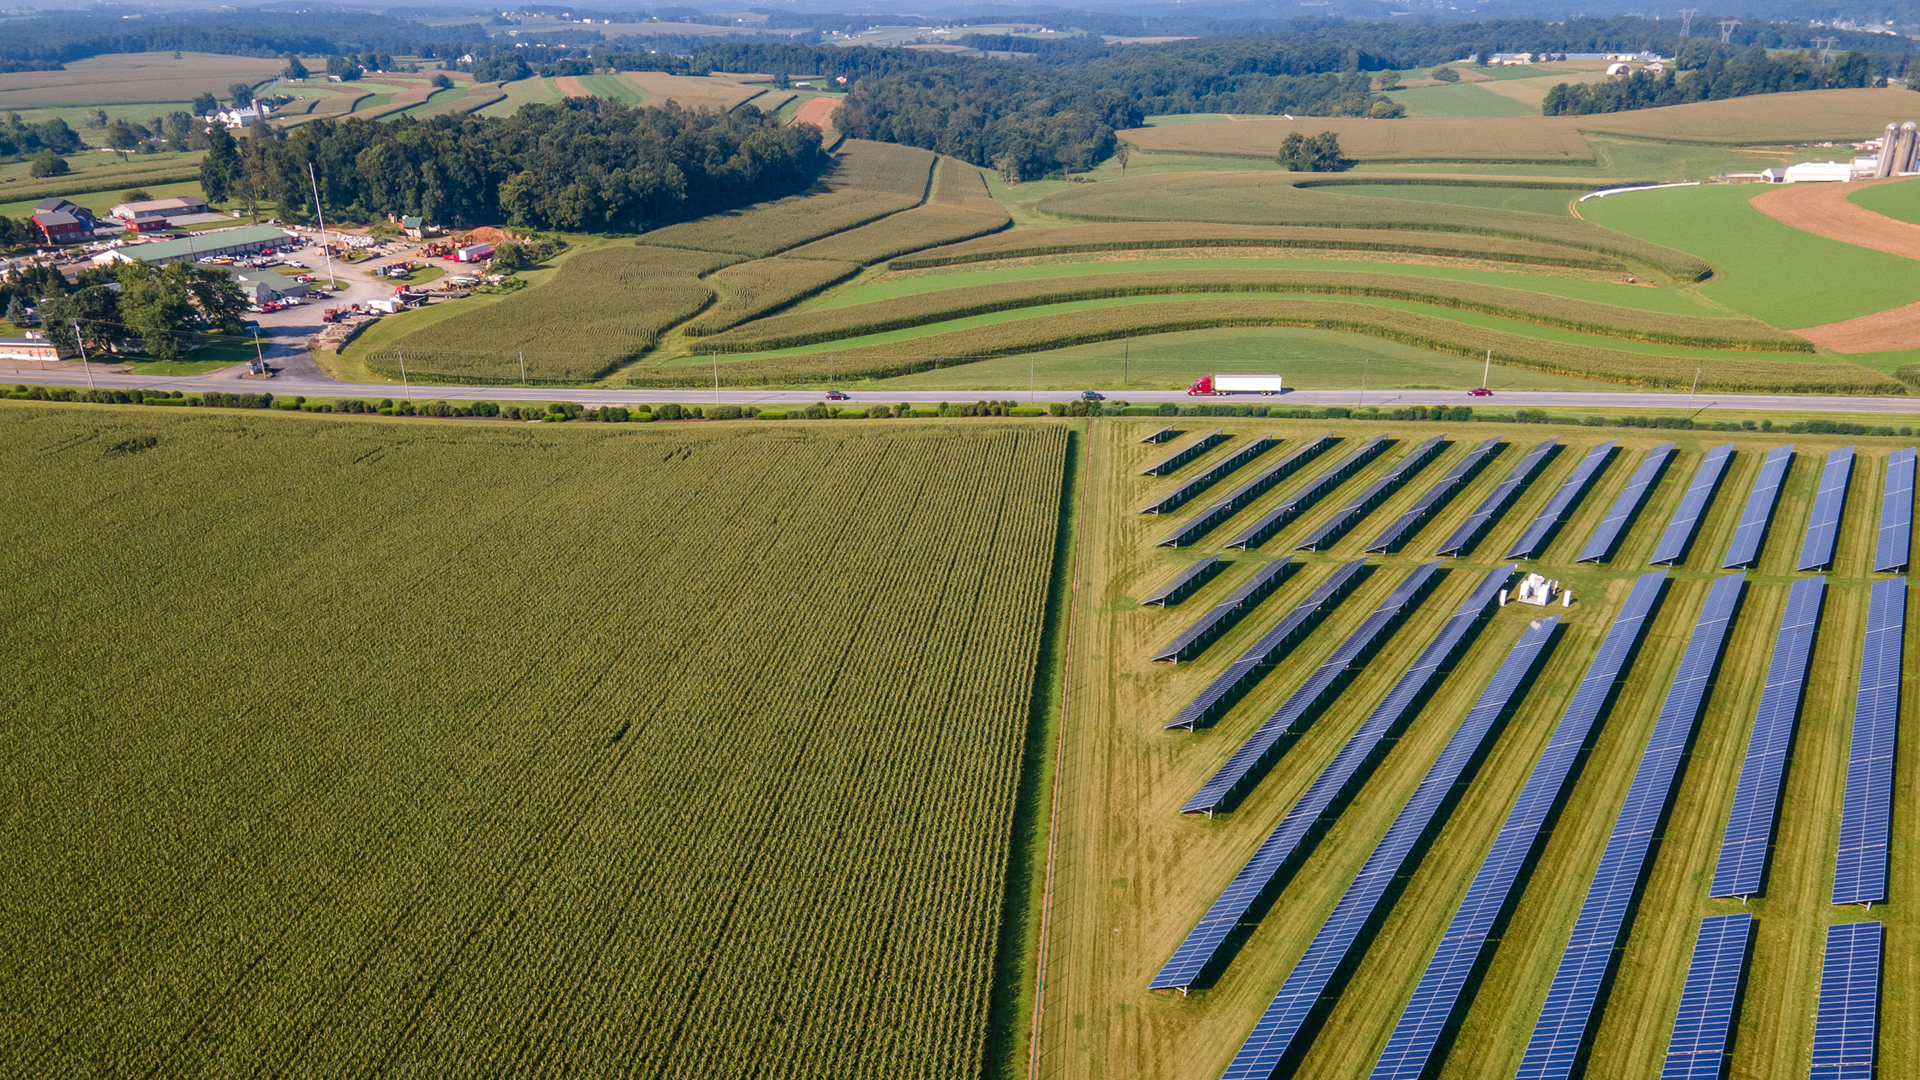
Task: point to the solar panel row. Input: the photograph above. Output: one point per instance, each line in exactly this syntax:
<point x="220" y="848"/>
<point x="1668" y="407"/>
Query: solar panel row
<point x="1709" y="999"/>
<point x="1186" y="582"/>
<point x="1300" y="829"/>
<point x="1247" y="492"/>
<point x="1277" y="518"/>
<point x="1823" y="527"/>
<point x="1194" y="639"/>
<point x="1316" y="981"/>
<point x="1752" y="530"/>
<point x="1566" y="1021"/>
<point x="1160" y="436"/>
<point x="1223" y="691"/>
<point x="1607" y="536"/>
<point x="1187" y="453"/>
<point x="1894" y="544"/>
<point x="1535" y="539"/>
<point x="1244" y="768"/>
<point x="1847" y="1026"/>
<point x="1377" y="492"/>
<point x="1402" y="530"/>
<point x="1466" y="943"/>
<point x="1490" y="509"/>
<point x="1181" y="495"/>
<point x="1742" y="868"/>
<point x="1674" y="543"/>
<point x="1866" y="814"/>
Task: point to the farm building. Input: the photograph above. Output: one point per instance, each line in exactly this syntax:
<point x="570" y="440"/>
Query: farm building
<point x="62" y="222"/>
<point x="415" y="226"/>
<point x="262" y="285"/>
<point x="158" y="213"/>
<point x="240" y="118"/>
<point x="34" y="346"/>
<point x="1819" y="172"/>
<point x="1511" y="58"/>
<point x="225" y="243"/>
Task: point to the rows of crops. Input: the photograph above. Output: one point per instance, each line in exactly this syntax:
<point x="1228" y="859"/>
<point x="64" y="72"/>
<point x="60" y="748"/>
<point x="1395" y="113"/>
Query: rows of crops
<point x="960" y="209"/>
<point x="369" y="748"/>
<point x="752" y="289"/>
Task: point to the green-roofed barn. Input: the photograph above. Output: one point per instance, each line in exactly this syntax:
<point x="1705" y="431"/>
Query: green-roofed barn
<point x="223" y="243"/>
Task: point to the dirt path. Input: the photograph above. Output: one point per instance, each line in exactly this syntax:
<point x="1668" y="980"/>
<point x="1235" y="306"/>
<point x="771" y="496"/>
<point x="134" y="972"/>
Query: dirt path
<point x="1882" y="331"/>
<point x="816" y="111"/>
<point x="1823" y="210"/>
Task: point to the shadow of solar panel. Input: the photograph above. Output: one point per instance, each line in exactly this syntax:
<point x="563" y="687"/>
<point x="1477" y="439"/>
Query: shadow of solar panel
<point x="1284" y="1030"/>
<point x="1697" y="1050"/>
<point x="1277" y="518"/>
<point x="1244" y="768"/>
<point x="1566" y="1021"/>
<point x="1742" y="867"/>
<point x="1163" y="435"/>
<point x="1829" y="502"/>
<point x="1223" y="691"/>
<point x="1606" y="536"/>
<point x="1300" y="829"/>
<point x="1866" y="813"/>
<point x="1186" y="582"/>
<point x="1494" y="505"/>
<point x="1846" y="1028"/>
<point x="1893" y="545"/>
<point x="1377" y="492"/>
<point x="1401" y="532"/>
<point x="1227" y="612"/>
<point x="1538" y="534"/>
<point x="1678" y="538"/>
<point x="1187" y="453"/>
<point x="1186" y="492"/>
<point x="1247" y="492"/>
<point x="1744" y="550"/>
<point x="1466" y="943"/>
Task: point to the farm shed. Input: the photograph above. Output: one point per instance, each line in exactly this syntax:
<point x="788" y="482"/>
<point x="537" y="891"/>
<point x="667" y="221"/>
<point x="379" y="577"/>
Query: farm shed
<point x="225" y="242"/>
<point x="156" y="213"/>
<point x="262" y="285"/>
<point x="1820" y="172"/>
<point x="62" y="222"/>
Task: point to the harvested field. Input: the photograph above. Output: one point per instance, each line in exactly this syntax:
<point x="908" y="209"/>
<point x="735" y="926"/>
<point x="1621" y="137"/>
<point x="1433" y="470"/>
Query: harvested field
<point x="693" y="91"/>
<point x="132" y="78"/>
<point x="570" y="86"/>
<point x="1826" y="210"/>
<point x="1892" y="330"/>
<point x="1800" y="116"/>
<point x="749" y="290"/>
<point x="817" y="111"/>
<point x="1511" y="139"/>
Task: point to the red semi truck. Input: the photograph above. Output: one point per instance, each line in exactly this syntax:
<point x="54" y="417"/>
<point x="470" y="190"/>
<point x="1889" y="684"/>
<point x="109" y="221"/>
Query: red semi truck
<point x="1235" y="384"/>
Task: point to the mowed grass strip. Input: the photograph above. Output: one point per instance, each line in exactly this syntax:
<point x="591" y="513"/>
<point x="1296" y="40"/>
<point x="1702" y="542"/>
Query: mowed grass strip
<point x="749" y="290"/>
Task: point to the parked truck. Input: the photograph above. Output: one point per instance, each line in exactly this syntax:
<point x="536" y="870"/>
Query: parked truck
<point x="1235" y="384"/>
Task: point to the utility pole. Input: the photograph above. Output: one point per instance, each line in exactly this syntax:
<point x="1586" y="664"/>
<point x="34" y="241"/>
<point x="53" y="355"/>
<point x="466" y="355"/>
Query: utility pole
<point x="716" y="378"/>
<point x="523" y="367"/>
<point x="1727" y="27"/>
<point x="1486" y="371"/>
<point x="407" y="389"/>
<point x="321" y="215"/>
<point x="258" y="354"/>
<point x="1363" y="381"/>
<point x="1686" y="21"/>
<point x="1029" y="378"/>
<point x="1825" y="47"/>
<point x="1693" y="391"/>
<point x="82" y="346"/>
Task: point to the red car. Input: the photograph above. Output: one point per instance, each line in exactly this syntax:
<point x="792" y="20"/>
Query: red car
<point x="835" y="395"/>
<point x="1480" y="392"/>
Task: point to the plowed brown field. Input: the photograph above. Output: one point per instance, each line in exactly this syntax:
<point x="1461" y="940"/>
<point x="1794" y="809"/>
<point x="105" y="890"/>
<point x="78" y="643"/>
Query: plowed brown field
<point x="1823" y="210"/>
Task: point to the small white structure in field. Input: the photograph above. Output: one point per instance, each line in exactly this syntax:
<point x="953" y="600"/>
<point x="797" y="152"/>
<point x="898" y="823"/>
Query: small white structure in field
<point x="1536" y="590"/>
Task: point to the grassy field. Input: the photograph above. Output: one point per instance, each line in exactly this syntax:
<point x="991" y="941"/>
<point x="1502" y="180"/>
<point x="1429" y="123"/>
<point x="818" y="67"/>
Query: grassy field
<point x="132" y="78"/>
<point x="1459" y="101"/>
<point x="1134" y="875"/>
<point x="1898" y="201"/>
<point x="507" y="772"/>
<point x="1529" y="200"/>
<point x="525" y="92"/>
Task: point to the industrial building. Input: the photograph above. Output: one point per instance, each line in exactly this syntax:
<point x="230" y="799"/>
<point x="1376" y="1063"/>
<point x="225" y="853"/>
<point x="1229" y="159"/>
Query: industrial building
<point x="159" y="213"/>
<point x="225" y="243"/>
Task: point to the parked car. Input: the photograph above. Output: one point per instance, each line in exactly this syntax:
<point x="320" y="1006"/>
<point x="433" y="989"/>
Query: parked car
<point x="835" y="395"/>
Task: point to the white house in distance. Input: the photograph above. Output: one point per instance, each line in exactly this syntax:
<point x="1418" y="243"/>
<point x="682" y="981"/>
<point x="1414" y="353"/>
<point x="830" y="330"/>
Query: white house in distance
<point x="240" y="118"/>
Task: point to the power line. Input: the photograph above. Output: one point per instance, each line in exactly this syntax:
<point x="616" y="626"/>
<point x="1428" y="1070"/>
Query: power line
<point x="1686" y="22"/>
<point x="1727" y="27"/>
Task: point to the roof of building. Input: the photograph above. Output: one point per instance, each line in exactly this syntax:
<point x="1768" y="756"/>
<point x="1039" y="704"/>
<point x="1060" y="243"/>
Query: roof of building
<point x="189" y="202"/>
<point x="412" y="222"/>
<point x="58" y="217"/>
<point x="208" y="243"/>
<point x="54" y="203"/>
<point x="272" y="279"/>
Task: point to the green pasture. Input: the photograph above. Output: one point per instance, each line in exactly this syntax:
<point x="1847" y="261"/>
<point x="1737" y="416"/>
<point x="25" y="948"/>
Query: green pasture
<point x="1458" y="101"/>
<point x="614" y="88"/>
<point x="1531" y="200"/>
<point x="1898" y="201"/>
<point x="525" y="92"/>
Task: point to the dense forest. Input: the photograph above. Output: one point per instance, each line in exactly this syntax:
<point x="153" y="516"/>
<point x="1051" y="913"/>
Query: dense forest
<point x="41" y="44"/>
<point x="1707" y="73"/>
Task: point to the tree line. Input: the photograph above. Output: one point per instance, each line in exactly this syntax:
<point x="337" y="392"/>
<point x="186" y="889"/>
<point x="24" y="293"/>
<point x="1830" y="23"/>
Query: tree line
<point x="1709" y="73"/>
<point x="161" y="311"/>
<point x="47" y="43"/>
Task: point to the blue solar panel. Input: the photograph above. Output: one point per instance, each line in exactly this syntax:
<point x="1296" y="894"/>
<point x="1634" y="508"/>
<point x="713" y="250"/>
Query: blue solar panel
<point x="1538" y="534"/>
<point x="1223" y="691"/>
<point x="1378" y="492"/>
<point x="1607" y="535"/>
<point x="1490" y="509"/>
<point x="1243" y="770"/>
<point x="1247" y="492"/>
<point x="1466" y="943"/>
<point x="1742" y="868"/>
<point x="1185" y="493"/>
<point x="1194" y="639"/>
<point x="1292" y="507"/>
<point x="1674" y="543"/>
<point x="1752" y="530"/>
<point x="1567" y="1019"/>
<point x="1847" y="1026"/>
<point x="1186" y="582"/>
<point x="1866" y="814"/>
<point x="1709" y="1000"/>
<point x="1301" y="828"/>
<point x="1893" y="545"/>
<point x="1160" y="436"/>
<point x="1823" y="527"/>
<point x="1187" y="453"/>
<point x="1401" y="531"/>
<point x="1315" y="982"/>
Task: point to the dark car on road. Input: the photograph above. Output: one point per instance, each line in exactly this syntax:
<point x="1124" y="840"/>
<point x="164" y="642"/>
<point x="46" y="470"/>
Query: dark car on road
<point x="1480" y="392"/>
<point x="1092" y="395"/>
<point x="835" y="395"/>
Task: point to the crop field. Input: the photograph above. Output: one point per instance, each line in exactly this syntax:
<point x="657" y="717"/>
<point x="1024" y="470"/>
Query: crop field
<point x="749" y="290"/>
<point x="534" y="91"/>
<point x="132" y="78"/>
<point x="1540" y="200"/>
<point x="532" y="751"/>
<point x="960" y="209"/>
<point x="1134" y="875"/>
<point x="1460" y="101"/>
<point x="1900" y="202"/>
<point x="693" y="91"/>
<point x="97" y="184"/>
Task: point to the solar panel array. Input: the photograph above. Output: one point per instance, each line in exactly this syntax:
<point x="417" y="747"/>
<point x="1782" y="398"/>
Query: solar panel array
<point x="1186" y="581"/>
<point x="1742" y="868"/>
<point x="1402" y="530"/>
<point x="1296" y="833"/>
<point x="1866" y="814"/>
<point x="1315" y="981"/>
<point x="1848" y="1023"/>
<point x="1377" y="492"/>
<point x="1247" y="492"/>
<point x="1242" y="771"/>
<point x="1747" y="536"/>
<point x="1490" y="509"/>
<point x="1181" y="495"/>
<point x="1704" y="1024"/>
<point x="1823" y="527"/>
<point x="1567" y="1019"/>
<point x="1894" y="544"/>
<point x="1187" y="453"/>
<point x="1607" y="536"/>
<point x="1194" y="639"/>
<point x="1221" y="693"/>
<point x="1277" y="518"/>
<point x="1534" y="540"/>
<point x="1410" y="1048"/>
<point x="1678" y="538"/>
<point x="1163" y="435"/>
